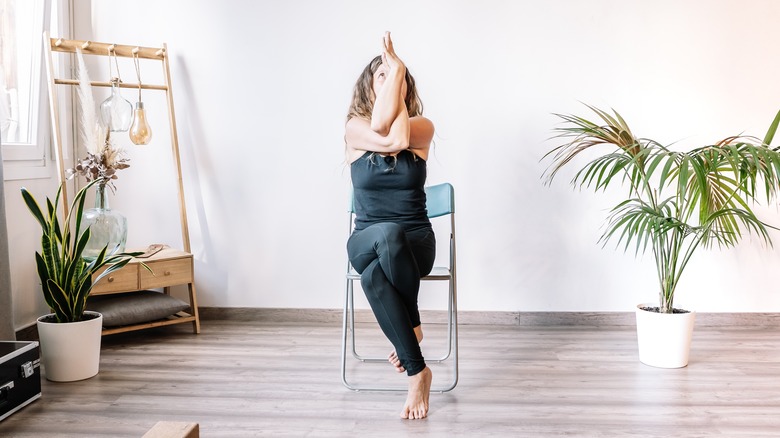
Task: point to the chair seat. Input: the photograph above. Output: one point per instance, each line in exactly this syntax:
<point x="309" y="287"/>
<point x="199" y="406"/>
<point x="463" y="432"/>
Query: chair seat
<point x="437" y="273"/>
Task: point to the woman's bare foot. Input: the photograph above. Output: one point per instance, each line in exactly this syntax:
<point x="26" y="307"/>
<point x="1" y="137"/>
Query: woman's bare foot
<point x="393" y="358"/>
<point x="416" y="406"/>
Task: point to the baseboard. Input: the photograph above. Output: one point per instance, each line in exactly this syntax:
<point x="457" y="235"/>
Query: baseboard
<point x="529" y="319"/>
<point x="29" y="333"/>
<point x="523" y="319"/>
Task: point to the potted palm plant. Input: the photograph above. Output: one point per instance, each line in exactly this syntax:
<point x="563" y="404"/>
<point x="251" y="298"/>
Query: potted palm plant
<point x="70" y="335"/>
<point x="677" y="203"/>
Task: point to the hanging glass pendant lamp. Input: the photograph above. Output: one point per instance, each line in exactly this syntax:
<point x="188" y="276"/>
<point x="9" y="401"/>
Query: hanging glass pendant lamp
<point x="140" y="131"/>
<point x="116" y="112"/>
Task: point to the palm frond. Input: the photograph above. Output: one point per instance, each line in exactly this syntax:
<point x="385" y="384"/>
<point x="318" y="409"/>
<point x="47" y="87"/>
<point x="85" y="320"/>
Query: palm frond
<point x="770" y="134"/>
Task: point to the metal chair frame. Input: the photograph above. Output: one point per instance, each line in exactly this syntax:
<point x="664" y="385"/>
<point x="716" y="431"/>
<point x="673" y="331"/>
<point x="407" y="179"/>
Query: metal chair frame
<point x="440" y="202"/>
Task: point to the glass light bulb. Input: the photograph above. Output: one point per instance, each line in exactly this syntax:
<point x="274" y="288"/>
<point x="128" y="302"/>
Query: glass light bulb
<point x="140" y="131"/>
<point x="116" y="112"/>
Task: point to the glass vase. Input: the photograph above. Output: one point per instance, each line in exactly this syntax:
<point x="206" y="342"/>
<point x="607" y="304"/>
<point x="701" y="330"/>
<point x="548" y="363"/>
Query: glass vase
<point x="108" y="228"/>
<point x="116" y="112"/>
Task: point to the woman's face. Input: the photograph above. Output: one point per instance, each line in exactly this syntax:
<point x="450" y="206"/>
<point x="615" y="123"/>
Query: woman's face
<point x="379" y="79"/>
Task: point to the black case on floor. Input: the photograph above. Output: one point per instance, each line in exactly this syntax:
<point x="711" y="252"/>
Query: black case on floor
<point x="20" y="376"/>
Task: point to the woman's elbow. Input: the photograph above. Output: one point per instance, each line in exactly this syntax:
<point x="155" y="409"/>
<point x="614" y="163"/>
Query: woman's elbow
<point x="398" y="145"/>
<point x="380" y="128"/>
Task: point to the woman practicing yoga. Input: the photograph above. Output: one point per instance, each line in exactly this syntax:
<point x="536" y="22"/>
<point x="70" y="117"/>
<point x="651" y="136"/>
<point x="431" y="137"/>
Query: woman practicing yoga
<point x="392" y="245"/>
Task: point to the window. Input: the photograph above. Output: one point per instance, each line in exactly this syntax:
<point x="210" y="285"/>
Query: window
<point x="23" y="110"/>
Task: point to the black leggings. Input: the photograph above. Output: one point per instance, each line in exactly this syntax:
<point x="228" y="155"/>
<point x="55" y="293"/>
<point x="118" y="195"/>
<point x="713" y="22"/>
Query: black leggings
<point x="391" y="262"/>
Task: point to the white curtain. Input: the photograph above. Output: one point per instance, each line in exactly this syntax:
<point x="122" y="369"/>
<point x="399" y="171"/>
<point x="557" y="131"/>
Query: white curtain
<point x="7" y="332"/>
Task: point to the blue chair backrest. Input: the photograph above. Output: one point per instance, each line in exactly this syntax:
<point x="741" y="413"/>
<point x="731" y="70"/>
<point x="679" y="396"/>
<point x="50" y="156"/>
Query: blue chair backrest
<point x="440" y="200"/>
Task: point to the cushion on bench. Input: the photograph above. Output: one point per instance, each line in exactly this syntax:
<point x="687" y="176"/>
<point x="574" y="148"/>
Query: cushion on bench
<point x="135" y="307"/>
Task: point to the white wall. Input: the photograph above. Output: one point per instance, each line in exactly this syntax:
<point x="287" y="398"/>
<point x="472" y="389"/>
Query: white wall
<point x="261" y="91"/>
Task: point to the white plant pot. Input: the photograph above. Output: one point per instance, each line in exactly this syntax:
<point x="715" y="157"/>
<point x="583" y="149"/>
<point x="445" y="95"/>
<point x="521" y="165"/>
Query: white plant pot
<point x="70" y="351"/>
<point x="664" y="338"/>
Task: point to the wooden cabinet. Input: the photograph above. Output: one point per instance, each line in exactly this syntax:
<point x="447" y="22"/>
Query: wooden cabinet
<point x="124" y="280"/>
<point x="170" y="267"/>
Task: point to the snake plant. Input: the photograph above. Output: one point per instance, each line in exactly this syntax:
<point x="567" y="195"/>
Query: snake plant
<point x="677" y="202"/>
<point x="66" y="277"/>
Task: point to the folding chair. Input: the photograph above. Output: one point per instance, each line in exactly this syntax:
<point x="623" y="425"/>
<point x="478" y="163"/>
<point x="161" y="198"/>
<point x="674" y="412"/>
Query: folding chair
<point x="440" y="202"/>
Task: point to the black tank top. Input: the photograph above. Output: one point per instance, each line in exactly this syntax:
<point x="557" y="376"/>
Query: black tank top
<point x="390" y="189"/>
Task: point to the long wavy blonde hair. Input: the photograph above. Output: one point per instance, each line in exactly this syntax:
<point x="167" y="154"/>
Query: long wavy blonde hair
<point x="363" y="96"/>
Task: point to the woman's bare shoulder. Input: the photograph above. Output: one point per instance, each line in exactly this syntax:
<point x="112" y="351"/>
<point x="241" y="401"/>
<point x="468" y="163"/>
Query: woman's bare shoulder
<point x="420" y="135"/>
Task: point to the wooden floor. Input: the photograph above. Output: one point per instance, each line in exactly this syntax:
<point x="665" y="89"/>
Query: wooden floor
<point x="244" y="379"/>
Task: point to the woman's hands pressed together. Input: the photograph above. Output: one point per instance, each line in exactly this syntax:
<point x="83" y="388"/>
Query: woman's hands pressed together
<point x="389" y="58"/>
<point x="389" y="83"/>
<point x="390" y="127"/>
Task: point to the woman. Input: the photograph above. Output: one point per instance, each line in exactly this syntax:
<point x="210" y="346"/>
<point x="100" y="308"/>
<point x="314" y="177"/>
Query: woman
<point x="392" y="245"/>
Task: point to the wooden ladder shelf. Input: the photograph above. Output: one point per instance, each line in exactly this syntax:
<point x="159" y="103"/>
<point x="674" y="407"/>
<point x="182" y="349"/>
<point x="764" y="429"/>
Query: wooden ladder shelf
<point x="181" y="260"/>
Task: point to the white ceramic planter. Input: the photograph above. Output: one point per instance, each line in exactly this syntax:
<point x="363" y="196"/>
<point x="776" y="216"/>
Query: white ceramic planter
<point x="664" y="338"/>
<point x="70" y="351"/>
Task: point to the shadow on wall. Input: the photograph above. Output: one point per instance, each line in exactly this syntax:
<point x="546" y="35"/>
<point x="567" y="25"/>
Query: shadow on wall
<point x="211" y="273"/>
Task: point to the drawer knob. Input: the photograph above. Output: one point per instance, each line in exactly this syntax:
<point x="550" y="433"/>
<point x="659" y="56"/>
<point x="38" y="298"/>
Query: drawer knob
<point x="110" y="279"/>
<point x="167" y="272"/>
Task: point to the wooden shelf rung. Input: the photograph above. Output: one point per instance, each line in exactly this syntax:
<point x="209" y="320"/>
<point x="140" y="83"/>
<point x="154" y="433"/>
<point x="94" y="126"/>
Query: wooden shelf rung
<point x="95" y="48"/>
<point x="108" y="84"/>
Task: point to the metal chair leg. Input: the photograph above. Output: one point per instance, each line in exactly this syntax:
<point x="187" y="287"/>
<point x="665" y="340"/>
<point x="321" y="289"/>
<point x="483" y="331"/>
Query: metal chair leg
<point x="344" y="339"/>
<point x="349" y="325"/>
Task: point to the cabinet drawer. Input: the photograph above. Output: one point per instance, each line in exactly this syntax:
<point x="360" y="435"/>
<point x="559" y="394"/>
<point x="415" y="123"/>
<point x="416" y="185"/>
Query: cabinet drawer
<point x="166" y="273"/>
<point x="123" y="280"/>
